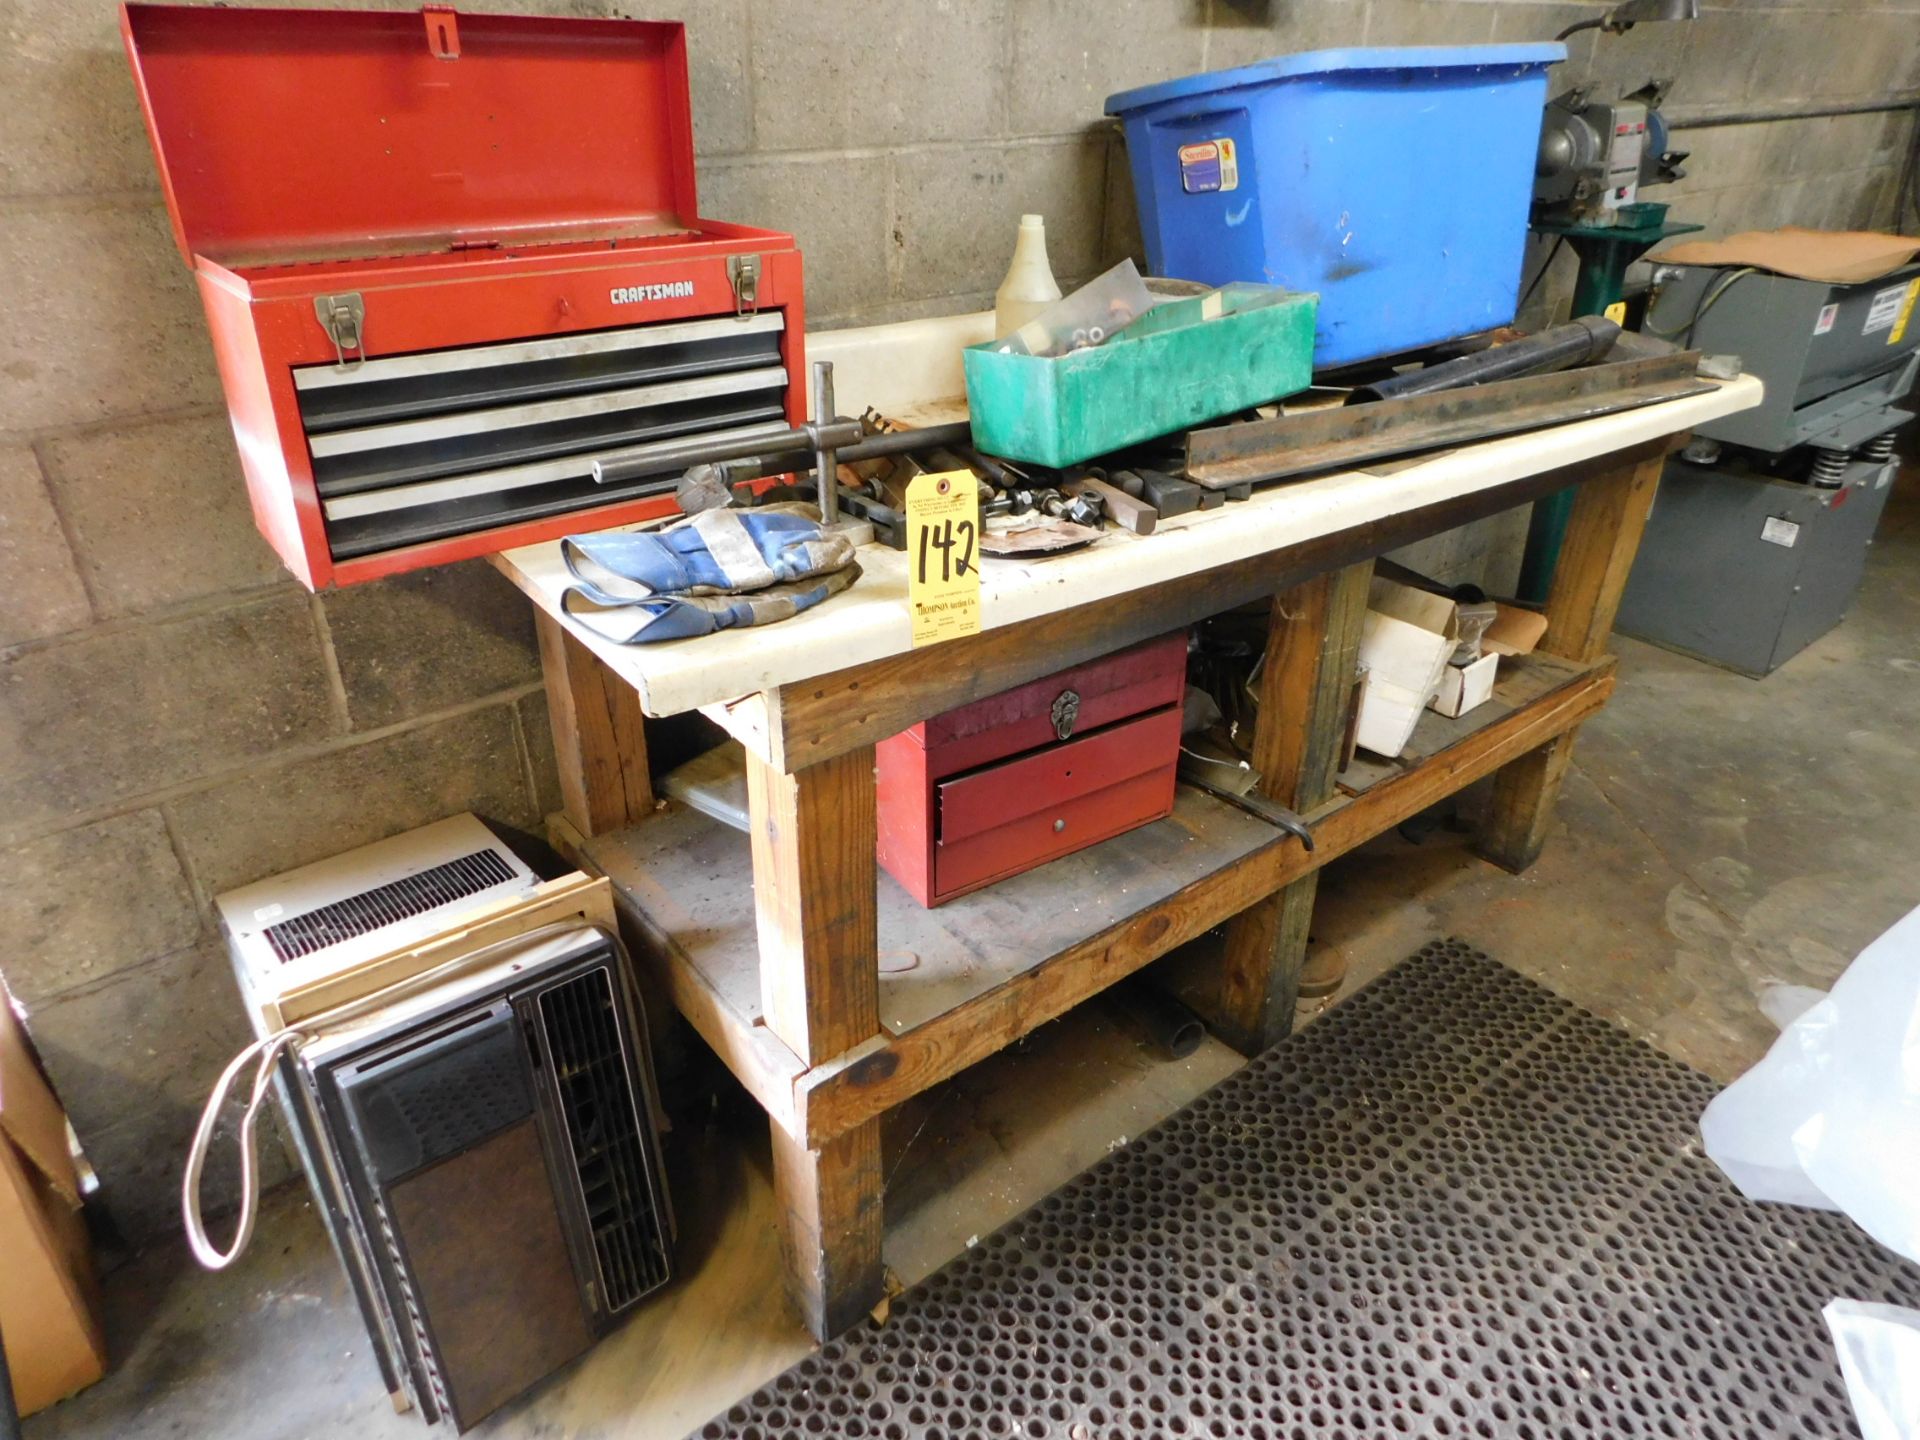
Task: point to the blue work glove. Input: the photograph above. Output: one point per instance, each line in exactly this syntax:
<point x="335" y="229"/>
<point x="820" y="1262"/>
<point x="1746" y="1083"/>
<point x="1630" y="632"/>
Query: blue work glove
<point x="718" y="570"/>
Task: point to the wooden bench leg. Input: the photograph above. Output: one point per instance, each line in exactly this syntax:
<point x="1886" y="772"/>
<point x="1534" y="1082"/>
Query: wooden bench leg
<point x="599" y="735"/>
<point x="1524" y="792"/>
<point x="1247" y="993"/>
<point x="830" y="1213"/>
<point x="813" y="883"/>
<point x="1603" y="535"/>
<point x="813" y="897"/>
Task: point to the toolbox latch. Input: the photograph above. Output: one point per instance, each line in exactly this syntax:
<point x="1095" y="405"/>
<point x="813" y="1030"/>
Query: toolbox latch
<point x="1065" y="713"/>
<point x="443" y="31"/>
<point x="743" y="272"/>
<point x="344" y="318"/>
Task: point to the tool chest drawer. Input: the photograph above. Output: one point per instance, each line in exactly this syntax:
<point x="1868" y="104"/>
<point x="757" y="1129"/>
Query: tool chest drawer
<point x="997" y="787"/>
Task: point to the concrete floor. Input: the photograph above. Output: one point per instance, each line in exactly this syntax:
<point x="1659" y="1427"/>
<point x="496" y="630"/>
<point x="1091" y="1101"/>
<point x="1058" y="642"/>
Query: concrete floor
<point x="1717" y="834"/>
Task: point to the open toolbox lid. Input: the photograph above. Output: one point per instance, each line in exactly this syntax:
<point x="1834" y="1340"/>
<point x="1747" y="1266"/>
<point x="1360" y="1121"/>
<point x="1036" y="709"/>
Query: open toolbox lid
<point x="298" y="135"/>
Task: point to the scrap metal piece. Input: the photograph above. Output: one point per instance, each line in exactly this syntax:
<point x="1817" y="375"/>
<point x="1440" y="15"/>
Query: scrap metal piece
<point x="1168" y="494"/>
<point x="1581" y="341"/>
<point x="1257" y="805"/>
<point x="1290" y="445"/>
<point x="1129" y="512"/>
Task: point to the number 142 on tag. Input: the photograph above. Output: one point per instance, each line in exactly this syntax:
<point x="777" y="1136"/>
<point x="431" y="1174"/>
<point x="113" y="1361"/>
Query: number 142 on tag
<point x="943" y="556"/>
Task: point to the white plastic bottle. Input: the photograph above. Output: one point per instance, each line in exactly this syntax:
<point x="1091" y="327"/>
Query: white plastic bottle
<point x="1029" y="287"/>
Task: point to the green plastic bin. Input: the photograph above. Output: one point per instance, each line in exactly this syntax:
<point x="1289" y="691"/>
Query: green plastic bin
<point x="1183" y="363"/>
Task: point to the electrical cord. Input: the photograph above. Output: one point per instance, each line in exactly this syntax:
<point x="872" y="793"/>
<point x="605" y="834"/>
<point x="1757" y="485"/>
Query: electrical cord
<point x="1709" y="297"/>
<point x="1541" y="273"/>
<point x="265" y="1054"/>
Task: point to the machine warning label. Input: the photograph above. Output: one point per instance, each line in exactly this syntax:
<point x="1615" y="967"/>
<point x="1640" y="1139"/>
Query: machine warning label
<point x="1899" y="331"/>
<point x="1209" y="166"/>
<point x="1779" y="532"/>
<point x="641" y="294"/>
<point x="1885" y="310"/>
<point x="1828" y="314"/>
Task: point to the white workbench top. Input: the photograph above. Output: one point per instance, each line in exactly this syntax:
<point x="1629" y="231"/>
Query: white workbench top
<point x="869" y="622"/>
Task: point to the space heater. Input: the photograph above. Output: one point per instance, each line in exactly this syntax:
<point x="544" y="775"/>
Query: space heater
<point x="458" y="1053"/>
<point x="448" y="260"/>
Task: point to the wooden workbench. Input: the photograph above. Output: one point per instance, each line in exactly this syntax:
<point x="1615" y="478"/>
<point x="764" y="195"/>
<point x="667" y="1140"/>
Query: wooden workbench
<point x="772" y="943"/>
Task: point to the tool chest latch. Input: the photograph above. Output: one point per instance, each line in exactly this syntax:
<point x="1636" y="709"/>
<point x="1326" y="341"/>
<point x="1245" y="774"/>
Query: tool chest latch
<point x="443" y="31"/>
<point x="344" y="318"/>
<point x="743" y="272"/>
<point x="1066" y="710"/>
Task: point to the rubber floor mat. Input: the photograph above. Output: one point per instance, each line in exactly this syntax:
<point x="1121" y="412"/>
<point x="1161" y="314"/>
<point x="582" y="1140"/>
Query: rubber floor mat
<point x="1456" y="1205"/>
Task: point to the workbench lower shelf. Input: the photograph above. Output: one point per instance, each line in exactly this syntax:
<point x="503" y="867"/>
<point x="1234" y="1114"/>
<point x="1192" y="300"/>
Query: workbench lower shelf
<point x="962" y="981"/>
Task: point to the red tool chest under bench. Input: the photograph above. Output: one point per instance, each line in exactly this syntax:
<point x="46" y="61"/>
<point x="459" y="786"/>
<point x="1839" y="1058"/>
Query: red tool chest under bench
<point x="1024" y="777"/>
<point x="447" y="260"/>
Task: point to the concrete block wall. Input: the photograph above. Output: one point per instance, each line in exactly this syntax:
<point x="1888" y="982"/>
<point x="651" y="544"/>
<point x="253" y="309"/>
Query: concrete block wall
<point x="177" y="717"/>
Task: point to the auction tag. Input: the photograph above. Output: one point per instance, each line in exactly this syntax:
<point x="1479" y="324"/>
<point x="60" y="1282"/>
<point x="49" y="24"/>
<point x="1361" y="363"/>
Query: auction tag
<point x="1616" y="312"/>
<point x="943" y="556"/>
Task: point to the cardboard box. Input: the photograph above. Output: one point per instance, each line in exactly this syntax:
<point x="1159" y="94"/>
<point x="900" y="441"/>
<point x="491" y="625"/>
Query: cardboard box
<point x="1464" y="686"/>
<point x="48" y="1304"/>
<point x="1409" y="638"/>
<point x="1406" y="640"/>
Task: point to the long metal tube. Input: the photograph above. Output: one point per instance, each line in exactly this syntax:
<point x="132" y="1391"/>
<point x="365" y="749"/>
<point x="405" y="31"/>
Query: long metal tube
<point x="766" y="461"/>
<point x="619" y="466"/>
<point x="1561" y="348"/>
<point x="756" y="456"/>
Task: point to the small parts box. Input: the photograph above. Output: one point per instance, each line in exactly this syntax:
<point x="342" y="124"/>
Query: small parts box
<point x="1010" y="782"/>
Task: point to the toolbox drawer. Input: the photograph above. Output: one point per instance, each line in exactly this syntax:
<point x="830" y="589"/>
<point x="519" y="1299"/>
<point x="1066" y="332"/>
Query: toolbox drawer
<point x="1023" y="777"/>
<point x="1010" y="817"/>
<point x="1128" y="682"/>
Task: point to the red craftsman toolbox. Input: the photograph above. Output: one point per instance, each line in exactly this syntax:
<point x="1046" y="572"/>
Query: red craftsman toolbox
<point x="449" y="259"/>
<point x="1026" y="776"/>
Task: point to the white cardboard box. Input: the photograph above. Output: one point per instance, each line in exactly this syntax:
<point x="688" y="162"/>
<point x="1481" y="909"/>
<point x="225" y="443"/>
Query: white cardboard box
<point x="1406" y="640"/>
<point x="1464" y="686"/>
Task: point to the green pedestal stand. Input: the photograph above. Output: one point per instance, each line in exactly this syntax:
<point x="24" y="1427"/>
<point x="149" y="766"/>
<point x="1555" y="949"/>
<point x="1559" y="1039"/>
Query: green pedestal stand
<point x="1605" y="252"/>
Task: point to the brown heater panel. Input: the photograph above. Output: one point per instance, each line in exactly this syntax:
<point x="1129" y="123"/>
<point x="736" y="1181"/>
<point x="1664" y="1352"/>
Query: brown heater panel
<point x="477" y="1229"/>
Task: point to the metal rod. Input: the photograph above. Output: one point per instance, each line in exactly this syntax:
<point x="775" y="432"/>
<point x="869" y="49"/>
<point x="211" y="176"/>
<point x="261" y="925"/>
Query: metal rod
<point x="826" y="465"/>
<point x="1561" y="348"/>
<point x="1706" y="120"/>
<point x="618" y="466"/>
<point x="766" y="460"/>
<point x="902" y="442"/>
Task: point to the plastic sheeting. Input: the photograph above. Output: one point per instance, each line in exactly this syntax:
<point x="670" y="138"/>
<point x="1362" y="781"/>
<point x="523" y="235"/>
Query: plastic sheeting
<point x="1831" y="1117"/>
<point x="1879" y="1349"/>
